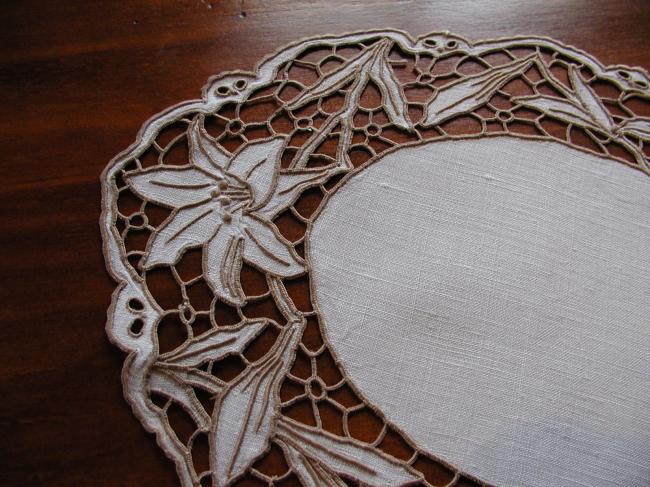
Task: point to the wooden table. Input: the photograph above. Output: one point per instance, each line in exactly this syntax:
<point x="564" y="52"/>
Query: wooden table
<point x="78" y="79"/>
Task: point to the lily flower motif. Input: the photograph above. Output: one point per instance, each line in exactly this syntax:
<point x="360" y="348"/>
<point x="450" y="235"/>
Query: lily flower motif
<point x="224" y="203"/>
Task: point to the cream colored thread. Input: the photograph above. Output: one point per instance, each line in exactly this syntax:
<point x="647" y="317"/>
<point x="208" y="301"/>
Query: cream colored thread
<point x="144" y="348"/>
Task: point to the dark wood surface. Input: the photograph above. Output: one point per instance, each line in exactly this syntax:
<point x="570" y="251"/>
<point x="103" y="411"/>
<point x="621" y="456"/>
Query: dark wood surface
<point x="78" y="79"/>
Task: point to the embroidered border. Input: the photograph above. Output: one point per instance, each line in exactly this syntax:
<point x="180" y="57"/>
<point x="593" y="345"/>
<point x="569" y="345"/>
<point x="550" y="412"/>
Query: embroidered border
<point x="237" y="177"/>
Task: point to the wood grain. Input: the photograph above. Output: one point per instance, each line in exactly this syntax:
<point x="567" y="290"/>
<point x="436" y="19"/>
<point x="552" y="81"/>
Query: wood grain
<point x="78" y="80"/>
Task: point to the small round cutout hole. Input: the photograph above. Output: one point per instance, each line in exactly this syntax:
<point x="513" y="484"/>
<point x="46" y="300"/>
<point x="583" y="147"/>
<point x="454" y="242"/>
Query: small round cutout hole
<point x="315" y="389"/>
<point x="303" y="123"/>
<point x="373" y="130"/>
<point x="187" y="314"/>
<point x="137" y="220"/>
<point x="235" y="126"/>
<point x="136" y="327"/>
<point x="504" y="116"/>
<point x="135" y="305"/>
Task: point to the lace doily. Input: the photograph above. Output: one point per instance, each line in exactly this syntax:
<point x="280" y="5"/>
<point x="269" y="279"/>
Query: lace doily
<point x="296" y="251"/>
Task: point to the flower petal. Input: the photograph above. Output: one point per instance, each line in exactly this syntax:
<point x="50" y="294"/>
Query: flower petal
<point x="266" y="249"/>
<point x="174" y="187"/>
<point x="204" y="152"/>
<point x="257" y="164"/>
<point x="187" y="227"/>
<point x="290" y="185"/>
<point x="222" y="263"/>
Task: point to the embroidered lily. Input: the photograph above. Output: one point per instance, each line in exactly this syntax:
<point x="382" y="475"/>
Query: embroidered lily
<point x="222" y="202"/>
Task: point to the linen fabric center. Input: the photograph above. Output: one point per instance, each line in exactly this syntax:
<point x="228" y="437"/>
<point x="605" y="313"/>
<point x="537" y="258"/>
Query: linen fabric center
<point x="495" y="307"/>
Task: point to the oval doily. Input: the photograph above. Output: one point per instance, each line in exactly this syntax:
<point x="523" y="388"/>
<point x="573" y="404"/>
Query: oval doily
<point x="261" y="351"/>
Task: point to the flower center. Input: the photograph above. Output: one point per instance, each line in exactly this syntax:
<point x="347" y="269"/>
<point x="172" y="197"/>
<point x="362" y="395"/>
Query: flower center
<point x="227" y="193"/>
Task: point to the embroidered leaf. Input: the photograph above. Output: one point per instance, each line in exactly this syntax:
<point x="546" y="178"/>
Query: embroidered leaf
<point x="222" y="264"/>
<point x="346" y="456"/>
<point x="590" y="102"/>
<point x="173" y="187"/>
<point x="392" y="94"/>
<point x="310" y="472"/>
<point x="168" y="384"/>
<point x="333" y="81"/>
<point x="372" y="64"/>
<point x="469" y="93"/>
<point x="581" y="106"/>
<point x="266" y="249"/>
<point x="215" y="344"/>
<point x="204" y="152"/>
<point x="187" y="227"/>
<point x="243" y="417"/>
<point x="285" y="304"/>
<point x="557" y="108"/>
<point x="637" y="127"/>
<point x="194" y="378"/>
<point x="256" y="164"/>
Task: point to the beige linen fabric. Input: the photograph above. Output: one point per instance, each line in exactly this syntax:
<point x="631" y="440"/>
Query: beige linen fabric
<point x="492" y="298"/>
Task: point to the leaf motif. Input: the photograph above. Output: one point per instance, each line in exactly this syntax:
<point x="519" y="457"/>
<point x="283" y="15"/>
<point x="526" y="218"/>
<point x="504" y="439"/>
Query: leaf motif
<point x="590" y="102"/>
<point x="267" y="249"/>
<point x="637" y="127"/>
<point x="285" y="304"/>
<point x="215" y="344"/>
<point x="393" y="97"/>
<point x="310" y="472"/>
<point x="173" y="187"/>
<point x="469" y="93"/>
<point x="333" y="81"/>
<point x="345" y="456"/>
<point x="243" y="418"/>
<point x="557" y="108"/>
<point x="289" y="187"/>
<point x="194" y="378"/>
<point x="168" y="384"/>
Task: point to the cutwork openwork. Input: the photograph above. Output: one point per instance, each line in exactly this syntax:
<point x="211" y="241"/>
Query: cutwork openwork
<point x="232" y="373"/>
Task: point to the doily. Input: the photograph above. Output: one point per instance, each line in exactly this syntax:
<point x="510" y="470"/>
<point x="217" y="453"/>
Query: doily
<point x="380" y="260"/>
